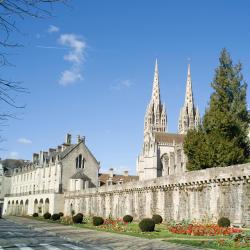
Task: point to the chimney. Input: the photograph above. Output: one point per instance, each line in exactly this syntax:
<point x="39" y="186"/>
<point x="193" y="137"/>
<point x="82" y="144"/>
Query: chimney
<point x="59" y="149"/>
<point x="79" y="139"/>
<point x="111" y="172"/>
<point x="51" y="150"/>
<point x="125" y="173"/>
<point x="68" y="139"/>
<point x="35" y="158"/>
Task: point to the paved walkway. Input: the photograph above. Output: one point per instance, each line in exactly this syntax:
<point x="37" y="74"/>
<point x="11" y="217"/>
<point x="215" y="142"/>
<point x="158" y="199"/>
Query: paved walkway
<point x="103" y="240"/>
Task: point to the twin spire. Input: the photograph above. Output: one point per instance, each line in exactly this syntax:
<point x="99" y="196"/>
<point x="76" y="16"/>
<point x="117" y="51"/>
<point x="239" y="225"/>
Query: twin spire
<point x="156" y="117"/>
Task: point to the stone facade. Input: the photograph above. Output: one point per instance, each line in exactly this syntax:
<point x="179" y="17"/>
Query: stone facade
<point x="195" y="195"/>
<point x="38" y="186"/>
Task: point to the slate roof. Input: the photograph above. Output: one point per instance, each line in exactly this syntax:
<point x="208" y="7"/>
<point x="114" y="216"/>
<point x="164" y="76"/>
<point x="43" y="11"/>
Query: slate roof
<point x="169" y="138"/>
<point x="80" y="175"/>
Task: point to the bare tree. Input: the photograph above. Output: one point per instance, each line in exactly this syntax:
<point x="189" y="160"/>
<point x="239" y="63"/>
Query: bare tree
<point x="11" y="13"/>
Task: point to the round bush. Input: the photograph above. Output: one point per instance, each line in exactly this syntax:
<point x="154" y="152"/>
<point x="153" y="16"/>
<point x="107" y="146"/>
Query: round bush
<point x="47" y="216"/>
<point x="61" y="214"/>
<point x="223" y="222"/>
<point x="77" y="219"/>
<point x="128" y="218"/>
<point x="97" y="221"/>
<point x="80" y="214"/>
<point x="55" y="217"/>
<point x="35" y="215"/>
<point x="147" y="225"/>
<point x="157" y="219"/>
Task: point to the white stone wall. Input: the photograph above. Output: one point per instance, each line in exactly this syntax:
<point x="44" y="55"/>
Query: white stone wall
<point x="196" y="195"/>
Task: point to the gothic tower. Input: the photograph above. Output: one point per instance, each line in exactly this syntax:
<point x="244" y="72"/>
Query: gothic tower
<point x="189" y="115"/>
<point x="155" y="118"/>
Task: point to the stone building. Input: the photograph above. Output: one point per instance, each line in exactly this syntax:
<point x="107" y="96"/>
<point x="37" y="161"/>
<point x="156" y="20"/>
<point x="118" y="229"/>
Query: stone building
<point x="162" y="152"/>
<point x="39" y="185"/>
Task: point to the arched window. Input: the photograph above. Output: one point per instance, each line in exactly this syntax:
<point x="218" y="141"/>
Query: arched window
<point x="80" y="161"/>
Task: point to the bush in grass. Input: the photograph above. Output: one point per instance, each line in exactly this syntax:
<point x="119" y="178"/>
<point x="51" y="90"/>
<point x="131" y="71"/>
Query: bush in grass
<point x="67" y="220"/>
<point x="77" y="219"/>
<point x="61" y="214"/>
<point x="80" y="214"/>
<point x="128" y="218"/>
<point x="147" y="225"/>
<point x="157" y="219"/>
<point x="97" y="221"/>
<point x="47" y="216"/>
<point x="55" y="217"/>
<point x="223" y="222"/>
<point x="35" y="215"/>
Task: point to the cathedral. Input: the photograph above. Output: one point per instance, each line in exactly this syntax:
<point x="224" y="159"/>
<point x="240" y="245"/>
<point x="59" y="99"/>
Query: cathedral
<point x="162" y="152"/>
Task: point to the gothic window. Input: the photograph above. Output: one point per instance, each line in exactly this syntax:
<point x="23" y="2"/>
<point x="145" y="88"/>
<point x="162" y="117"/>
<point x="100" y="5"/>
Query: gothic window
<point x="80" y="161"/>
<point x="76" y="162"/>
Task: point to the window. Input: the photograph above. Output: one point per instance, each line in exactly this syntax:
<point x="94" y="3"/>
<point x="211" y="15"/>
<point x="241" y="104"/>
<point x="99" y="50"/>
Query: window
<point x="80" y="161"/>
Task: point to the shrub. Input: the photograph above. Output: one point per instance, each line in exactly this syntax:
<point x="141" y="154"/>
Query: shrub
<point x="35" y="215"/>
<point x="80" y="214"/>
<point x="47" y="216"/>
<point x="55" y="217"/>
<point x="223" y="222"/>
<point x="61" y="214"/>
<point x="128" y="218"/>
<point x="97" y="221"/>
<point x="157" y="219"/>
<point x="67" y="220"/>
<point x="147" y="225"/>
<point x="77" y="219"/>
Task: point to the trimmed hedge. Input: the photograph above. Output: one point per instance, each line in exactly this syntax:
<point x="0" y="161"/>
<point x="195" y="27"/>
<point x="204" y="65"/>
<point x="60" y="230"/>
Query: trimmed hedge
<point x="147" y="225"/>
<point x="80" y="214"/>
<point x="47" y="216"/>
<point x="77" y="219"/>
<point x="128" y="218"/>
<point x="55" y="217"/>
<point x="97" y="221"/>
<point x="223" y="222"/>
<point x="157" y="219"/>
<point x="61" y="214"/>
<point x="35" y="215"/>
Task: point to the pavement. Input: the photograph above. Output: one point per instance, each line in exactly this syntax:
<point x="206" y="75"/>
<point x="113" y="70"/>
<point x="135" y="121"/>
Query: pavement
<point x="27" y="234"/>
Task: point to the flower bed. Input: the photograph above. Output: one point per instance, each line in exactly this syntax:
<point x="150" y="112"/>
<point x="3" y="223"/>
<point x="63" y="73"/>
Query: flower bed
<point x="203" y="230"/>
<point x="117" y="225"/>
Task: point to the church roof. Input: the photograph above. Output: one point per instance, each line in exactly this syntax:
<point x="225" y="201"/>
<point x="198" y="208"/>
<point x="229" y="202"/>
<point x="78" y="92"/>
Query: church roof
<point x="103" y="178"/>
<point x="80" y="175"/>
<point x="169" y="138"/>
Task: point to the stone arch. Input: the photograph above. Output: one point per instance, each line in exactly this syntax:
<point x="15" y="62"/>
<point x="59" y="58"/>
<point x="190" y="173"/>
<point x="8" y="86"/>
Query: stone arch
<point x="8" y="208"/>
<point x="26" y="207"/>
<point x="41" y="207"/>
<point x="16" y="207"/>
<point x="35" y="206"/>
<point x="12" y="212"/>
<point x="46" y="205"/>
<point x="21" y="208"/>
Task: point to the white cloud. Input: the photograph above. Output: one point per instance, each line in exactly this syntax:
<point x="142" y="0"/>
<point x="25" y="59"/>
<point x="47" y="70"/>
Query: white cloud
<point x="76" y="56"/>
<point x="120" y="84"/>
<point x="70" y="76"/>
<point x="13" y="155"/>
<point x="53" y="29"/>
<point x="24" y="141"/>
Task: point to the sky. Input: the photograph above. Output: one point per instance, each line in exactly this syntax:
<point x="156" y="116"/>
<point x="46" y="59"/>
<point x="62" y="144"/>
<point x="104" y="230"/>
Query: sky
<point x="89" y="70"/>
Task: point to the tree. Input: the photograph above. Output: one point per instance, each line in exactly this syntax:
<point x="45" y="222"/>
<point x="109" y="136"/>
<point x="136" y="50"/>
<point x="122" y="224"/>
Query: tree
<point x="11" y="12"/>
<point x="222" y="138"/>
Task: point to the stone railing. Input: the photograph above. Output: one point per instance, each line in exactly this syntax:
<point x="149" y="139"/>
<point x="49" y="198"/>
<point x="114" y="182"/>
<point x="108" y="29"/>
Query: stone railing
<point x="47" y="191"/>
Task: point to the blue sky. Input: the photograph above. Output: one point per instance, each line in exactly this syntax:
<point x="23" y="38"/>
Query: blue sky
<point x="89" y="70"/>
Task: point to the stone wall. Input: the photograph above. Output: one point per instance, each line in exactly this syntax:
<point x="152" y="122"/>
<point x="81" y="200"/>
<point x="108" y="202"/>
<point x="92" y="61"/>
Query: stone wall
<point x="209" y="193"/>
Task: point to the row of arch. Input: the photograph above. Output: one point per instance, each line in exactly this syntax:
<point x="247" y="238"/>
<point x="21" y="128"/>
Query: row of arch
<point x="23" y="207"/>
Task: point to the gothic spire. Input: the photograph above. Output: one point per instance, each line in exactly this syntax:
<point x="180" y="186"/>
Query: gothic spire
<point x="189" y="92"/>
<point x="156" y="86"/>
<point x="189" y="116"/>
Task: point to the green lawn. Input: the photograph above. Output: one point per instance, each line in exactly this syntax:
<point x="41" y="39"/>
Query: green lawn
<point x="161" y="232"/>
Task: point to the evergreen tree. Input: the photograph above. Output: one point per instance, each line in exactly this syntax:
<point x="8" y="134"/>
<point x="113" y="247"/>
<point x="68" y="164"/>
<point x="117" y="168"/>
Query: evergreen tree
<point x="222" y="139"/>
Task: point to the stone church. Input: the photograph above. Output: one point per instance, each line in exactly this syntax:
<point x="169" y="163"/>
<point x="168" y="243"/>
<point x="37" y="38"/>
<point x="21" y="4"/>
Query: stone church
<point x="162" y="152"/>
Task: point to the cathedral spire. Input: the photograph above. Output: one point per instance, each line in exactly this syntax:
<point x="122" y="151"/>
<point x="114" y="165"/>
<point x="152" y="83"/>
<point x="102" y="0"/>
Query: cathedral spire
<point x="189" y="115"/>
<point x="156" y="86"/>
<point x="155" y="117"/>
<point x="189" y="91"/>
